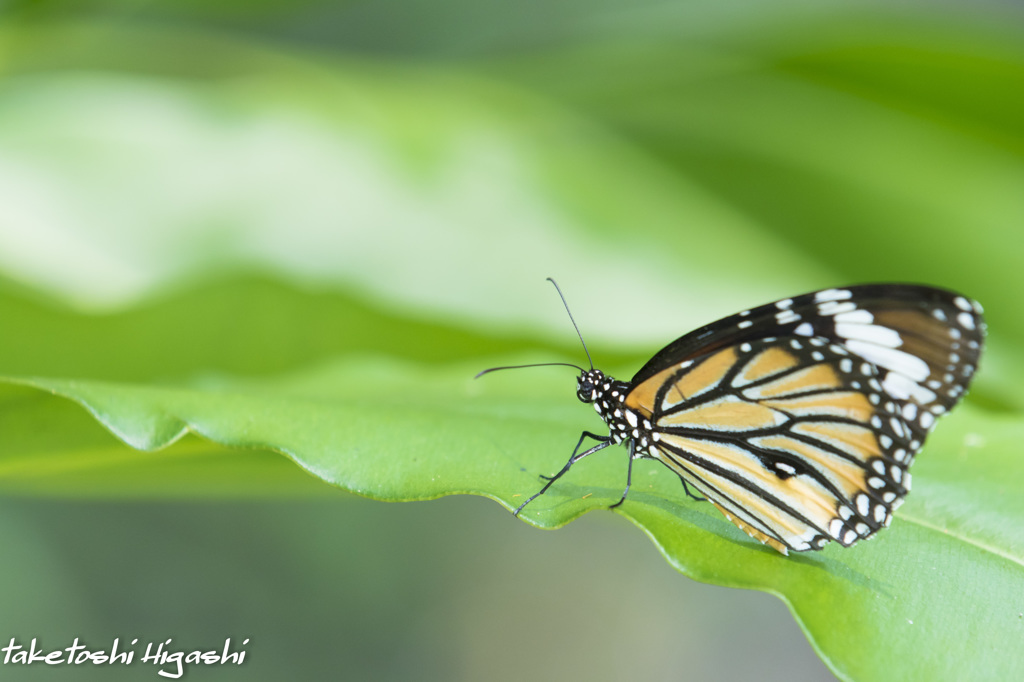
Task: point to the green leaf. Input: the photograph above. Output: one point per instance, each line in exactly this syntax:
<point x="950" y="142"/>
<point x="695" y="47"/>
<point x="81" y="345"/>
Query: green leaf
<point x="402" y="430"/>
<point x="53" y="448"/>
<point x="362" y="375"/>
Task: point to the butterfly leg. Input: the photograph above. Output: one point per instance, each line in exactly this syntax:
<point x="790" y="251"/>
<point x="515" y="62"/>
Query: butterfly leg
<point x="629" y="477"/>
<point x="603" y="442"/>
<point x="573" y="459"/>
<point x="698" y="498"/>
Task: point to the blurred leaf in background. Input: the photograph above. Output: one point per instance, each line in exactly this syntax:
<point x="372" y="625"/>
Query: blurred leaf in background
<point x="300" y="228"/>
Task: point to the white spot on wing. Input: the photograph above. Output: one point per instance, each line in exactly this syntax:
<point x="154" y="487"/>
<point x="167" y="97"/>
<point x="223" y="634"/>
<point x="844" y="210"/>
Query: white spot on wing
<point x="835" y="528"/>
<point x="786" y="317"/>
<point x="966" y="320"/>
<point x="831" y="295"/>
<point x="804" y="329"/>
<point x="835" y="308"/>
<point x="898" y="361"/>
<point x="872" y="333"/>
<point x="855" y="317"/>
<point x="902" y="388"/>
<point x="862" y="504"/>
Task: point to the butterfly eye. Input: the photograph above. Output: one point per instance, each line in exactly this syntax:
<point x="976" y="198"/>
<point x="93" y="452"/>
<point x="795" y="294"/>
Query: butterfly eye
<point x="585" y="389"/>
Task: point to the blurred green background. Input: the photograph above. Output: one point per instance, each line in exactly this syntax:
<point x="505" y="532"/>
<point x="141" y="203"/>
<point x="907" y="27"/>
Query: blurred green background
<point x="192" y="191"/>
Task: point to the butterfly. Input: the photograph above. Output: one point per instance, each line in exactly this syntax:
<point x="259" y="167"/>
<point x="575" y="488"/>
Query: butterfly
<point x="798" y="419"/>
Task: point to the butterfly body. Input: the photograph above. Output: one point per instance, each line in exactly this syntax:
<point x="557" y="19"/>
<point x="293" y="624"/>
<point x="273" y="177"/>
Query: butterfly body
<point x="608" y="396"/>
<point x="798" y="419"/>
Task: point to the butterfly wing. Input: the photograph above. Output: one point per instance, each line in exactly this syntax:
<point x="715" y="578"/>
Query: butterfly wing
<point x="799" y="419"/>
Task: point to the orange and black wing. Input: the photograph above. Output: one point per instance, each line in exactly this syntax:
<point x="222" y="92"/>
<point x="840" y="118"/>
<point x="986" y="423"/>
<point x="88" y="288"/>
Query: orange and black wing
<point x="799" y="419"/>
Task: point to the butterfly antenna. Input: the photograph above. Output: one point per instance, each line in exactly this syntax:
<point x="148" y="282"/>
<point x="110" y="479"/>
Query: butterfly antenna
<point x="559" y="290"/>
<point x="539" y="364"/>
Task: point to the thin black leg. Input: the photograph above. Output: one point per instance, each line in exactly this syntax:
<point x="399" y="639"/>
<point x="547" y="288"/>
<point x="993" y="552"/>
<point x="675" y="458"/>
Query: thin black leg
<point x="584" y="435"/>
<point x="629" y="477"/>
<point x="603" y="442"/>
<point x="689" y="494"/>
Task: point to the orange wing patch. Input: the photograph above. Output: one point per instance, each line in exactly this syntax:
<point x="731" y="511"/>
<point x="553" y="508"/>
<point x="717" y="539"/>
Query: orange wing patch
<point x="738" y="515"/>
<point x="753" y="472"/>
<point x="766" y="363"/>
<point x="728" y="413"/>
<point x="703" y="377"/>
<point x="734" y="442"/>
<point x="845" y="475"/>
<point x="816" y="504"/>
<point x="642" y="397"/>
<point x="742" y="462"/>
<point x="814" y="378"/>
<point x="848" y="404"/>
<point x="729" y="456"/>
<point x="857" y="441"/>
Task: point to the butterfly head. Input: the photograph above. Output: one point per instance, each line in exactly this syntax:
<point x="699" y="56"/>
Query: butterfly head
<point x="591" y="384"/>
